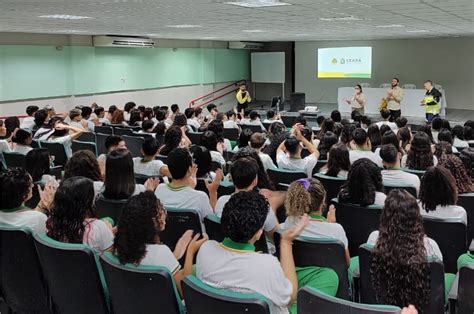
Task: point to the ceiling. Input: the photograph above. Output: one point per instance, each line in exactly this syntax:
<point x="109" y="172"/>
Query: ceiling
<point x="214" y="20"/>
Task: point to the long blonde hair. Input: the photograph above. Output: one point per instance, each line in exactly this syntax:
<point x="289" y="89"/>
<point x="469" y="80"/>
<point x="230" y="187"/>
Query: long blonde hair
<point x="304" y="196"/>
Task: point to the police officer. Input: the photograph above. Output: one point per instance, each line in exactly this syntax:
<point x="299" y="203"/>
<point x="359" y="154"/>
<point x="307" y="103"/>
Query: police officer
<point x="431" y="101"/>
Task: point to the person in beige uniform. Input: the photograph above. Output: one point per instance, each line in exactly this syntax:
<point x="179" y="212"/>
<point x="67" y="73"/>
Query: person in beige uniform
<point x="357" y="101"/>
<point x="394" y="97"/>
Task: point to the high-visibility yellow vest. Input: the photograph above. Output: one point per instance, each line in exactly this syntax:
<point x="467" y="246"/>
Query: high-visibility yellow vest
<point x="433" y="108"/>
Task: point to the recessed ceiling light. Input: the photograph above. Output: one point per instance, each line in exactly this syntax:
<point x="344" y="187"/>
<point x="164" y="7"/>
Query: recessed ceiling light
<point x="64" y="17"/>
<point x="258" y="3"/>
<point x="343" y="18"/>
<point x="302" y="34"/>
<point x="184" y="26"/>
<point x="253" y="31"/>
<point x="209" y="37"/>
<point x="390" y="26"/>
<point x="418" y="31"/>
<point x="153" y="35"/>
<point x="64" y="31"/>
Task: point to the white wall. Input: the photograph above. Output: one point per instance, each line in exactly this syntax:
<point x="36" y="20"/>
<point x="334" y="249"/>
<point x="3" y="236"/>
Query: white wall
<point x="163" y="96"/>
<point x="447" y="61"/>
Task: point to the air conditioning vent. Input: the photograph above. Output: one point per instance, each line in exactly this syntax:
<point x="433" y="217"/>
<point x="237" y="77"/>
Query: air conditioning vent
<point x="124" y="42"/>
<point x="245" y="45"/>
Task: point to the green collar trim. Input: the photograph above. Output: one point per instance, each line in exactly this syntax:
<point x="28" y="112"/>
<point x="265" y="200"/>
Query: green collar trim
<point x="238" y="246"/>
<point x="16" y="209"/>
<point x="394" y="168"/>
<point x="363" y="149"/>
<point x="177" y="188"/>
<point x="317" y="217"/>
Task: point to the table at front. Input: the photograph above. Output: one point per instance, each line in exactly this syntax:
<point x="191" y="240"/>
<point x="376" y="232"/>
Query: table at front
<point x="410" y="105"/>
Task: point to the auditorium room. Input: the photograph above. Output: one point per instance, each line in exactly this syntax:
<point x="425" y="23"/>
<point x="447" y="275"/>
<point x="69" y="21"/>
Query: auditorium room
<point x="237" y="157"/>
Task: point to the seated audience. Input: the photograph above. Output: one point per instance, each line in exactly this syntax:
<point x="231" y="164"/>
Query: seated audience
<point x="190" y="119"/>
<point x="180" y="193"/>
<point x="28" y="123"/>
<point x="390" y="137"/>
<point x="234" y="264"/>
<point x="22" y="140"/>
<point x="72" y="217"/>
<point x="129" y="106"/>
<point x="111" y="143"/>
<point x="174" y="137"/>
<point x="217" y="126"/>
<point x="40" y="120"/>
<point x="436" y="126"/>
<point x="277" y="133"/>
<point x="392" y="173"/>
<point x="118" y="118"/>
<point x="469" y="134"/>
<point x="362" y="148"/>
<point x="385" y="114"/>
<point x="427" y="130"/>
<point x="209" y="140"/>
<point x="329" y="139"/>
<point x="441" y="149"/>
<point x="135" y="118"/>
<point x="455" y="165"/>
<point x="244" y="139"/>
<point x="336" y="116"/>
<point x="257" y="142"/>
<point x="263" y="181"/>
<point x="319" y="122"/>
<point x="203" y="161"/>
<point x="401" y="122"/>
<point x="213" y="111"/>
<point x="289" y="153"/>
<point x="64" y="134"/>
<point x="38" y="165"/>
<point x="404" y="136"/>
<point x="338" y="164"/>
<point x="308" y="196"/>
<point x="458" y="137"/>
<point x="86" y="113"/>
<point x="148" y="165"/>
<point x="364" y="184"/>
<point x="346" y="134"/>
<point x="439" y="195"/>
<point x="420" y="155"/>
<point x="254" y="120"/>
<point x="147" y="127"/>
<point x="272" y="117"/>
<point x="100" y="113"/>
<point x="365" y="122"/>
<point x="231" y="122"/>
<point x="137" y="239"/>
<point x="327" y="126"/>
<point x="83" y="164"/>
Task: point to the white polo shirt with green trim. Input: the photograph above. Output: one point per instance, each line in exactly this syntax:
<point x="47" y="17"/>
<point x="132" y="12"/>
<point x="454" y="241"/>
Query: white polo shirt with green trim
<point x="237" y="267"/>
<point x="160" y="255"/>
<point x="24" y="217"/>
<point x="148" y="168"/>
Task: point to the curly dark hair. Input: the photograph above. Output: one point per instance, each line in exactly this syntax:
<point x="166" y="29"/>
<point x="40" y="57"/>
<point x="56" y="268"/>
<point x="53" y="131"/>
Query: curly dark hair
<point x="455" y="165"/>
<point x="277" y="134"/>
<point x="172" y="139"/>
<point x="338" y="159"/>
<point x="438" y="187"/>
<point x="419" y="156"/>
<point x="442" y="148"/>
<point x="73" y="203"/>
<point x="263" y="179"/>
<point x="363" y="180"/>
<point x="329" y="139"/>
<point x="399" y="270"/>
<point x="404" y="135"/>
<point x="346" y="133"/>
<point x="243" y="215"/>
<point x="83" y="163"/>
<point x="138" y="226"/>
<point x="15" y="187"/>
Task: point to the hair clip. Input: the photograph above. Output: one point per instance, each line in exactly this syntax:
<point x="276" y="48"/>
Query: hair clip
<point x="305" y="183"/>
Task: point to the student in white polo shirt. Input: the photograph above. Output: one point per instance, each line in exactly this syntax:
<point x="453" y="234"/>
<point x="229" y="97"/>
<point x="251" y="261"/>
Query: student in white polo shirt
<point x="362" y="148"/>
<point x="257" y="142"/>
<point x="289" y="153"/>
<point x="148" y="165"/>
<point x="28" y="123"/>
<point x="234" y="264"/>
<point x="244" y="176"/>
<point x="111" y="143"/>
<point x="439" y="195"/>
<point x="385" y="114"/>
<point x="308" y="196"/>
<point x="180" y="193"/>
<point x="392" y="173"/>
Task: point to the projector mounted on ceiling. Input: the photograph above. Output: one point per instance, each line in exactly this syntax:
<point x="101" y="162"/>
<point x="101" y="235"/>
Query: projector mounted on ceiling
<point x="245" y="45"/>
<point x="121" y="41"/>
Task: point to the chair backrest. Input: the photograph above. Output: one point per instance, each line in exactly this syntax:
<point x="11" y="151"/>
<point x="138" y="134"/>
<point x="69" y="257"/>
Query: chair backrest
<point x="436" y="296"/>
<point x="177" y="222"/>
<point x="90" y="146"/>
<point x="450" y="235"/>
<point x="109" y="208"/>
<point x="310" y="299"/>
<point x="73" y="275"/>
<point x="321" y="252"/>
<point x="139" y="289"/>
<point x="351" y="216"/>
<point x="141" y="178"/>
<point x="212" y="223"/>
<point x="123" y="131"/>
<point x="266" y="125"/>
<point x="160" y="139"/>
<point x="57" y="150"/>
<point x="232" y="134"/>
<point x="225" y="188"/>
<point x="194" y="137"/>
<point x="100" y="141"/>
<point x="201" y="298"/>
<point x="278" y="175"/>
<point x="14" y="159"/>
<point x="465" y="291"/>
<point x="252" y="128"/>
<point x="21" y="278"/>
<point x="385" y="85"/>
<point x="321" y="163"/>
<point x="410" y="189"/>
<point x="134" y="145"/>
<point x="103" y="129"/>
<point x="409" y="86"/>
<point x="288" y="121"/>
<point x="466" y="201"/>
<point x="87" y="137"/>
<point x="332" y="185"/>
<point x="419" y="173"/>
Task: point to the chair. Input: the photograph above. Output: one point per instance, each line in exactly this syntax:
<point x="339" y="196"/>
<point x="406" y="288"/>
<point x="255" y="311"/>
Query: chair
<point x="266" y="125"/>
<point x="365" y="85"/>
<point x="410" y="189"/>
<point x="320" y="252"/>
<point x="194" y="137"/>
<point x="87" y="137"/>
<point x="225" y="188"/>
<point x="409" y="86"/>
<point x="35" y="144"/>
<point x="57" y="150"/>
<point x="465" y="291"/>
<point x="288" y="121"/>
<point x="201" y="298"/>
<point x="160" y="139"/>
<point x="252" y="128"/>
<point x="466" y="201"/>
<point x="109" y="208"/>
<point x="419" y="173"/>
<point x="102" y="129"/>
<point x="310" y="299"/>
<point x="231" y="134"/>
<point x="450" y="235"/>
<point x="332" y="185"/>
<point x="134" y="145"/>
<point x="141" y="178"/>
<point x="139" y="289"/>
<point x="14" y="159"/>
<point x="100" y="143"/>
<point x="385" y="85"/>
<point x="123" y="131"/>
<point x="73" y="275"/>
<point x="278" y="175"/>
<point x="90" y="146"/>
<point x="367" y="294"/>
<point x="350" y="217"/>
<point x="319" y="165"/>
<point x="164" y="159"/>
<point x="213" y="227"/>
<point x="177" y="222"/>
<point x="23" y="286"/>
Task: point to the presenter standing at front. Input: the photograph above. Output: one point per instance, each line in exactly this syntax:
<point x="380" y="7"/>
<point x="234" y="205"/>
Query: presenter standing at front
<point x="357" y="101"/>
<point x="431" y="101"/>
<point x="243" y="98"/>
<point x="394" y="97"/>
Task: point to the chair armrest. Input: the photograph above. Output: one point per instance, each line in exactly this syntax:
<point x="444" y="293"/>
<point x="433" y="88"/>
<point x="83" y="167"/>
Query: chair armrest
<point x="471" y="246"/>
<point x="453" y="292"/>
<point x="356" y="273"/>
